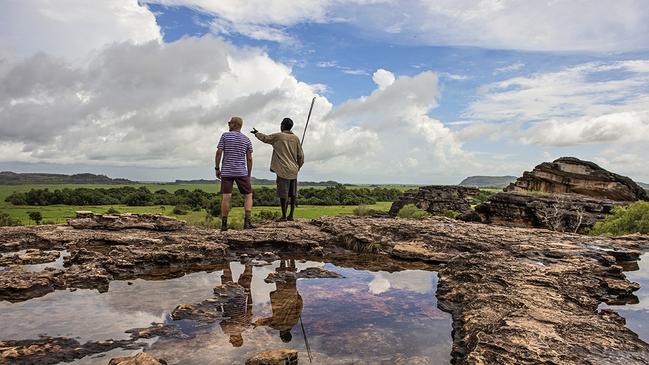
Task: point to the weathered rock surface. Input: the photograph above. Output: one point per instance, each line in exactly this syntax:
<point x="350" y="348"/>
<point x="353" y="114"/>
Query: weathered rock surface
<point x="559" y="212"/>
<point x="308" y="273"/>
<point x="437" y="198"/>
<point x="30" y="256"/>
<point x="516" y="295"/>
<point x="572" y="175"/>
<point x="140" y="359"/>
<point x="274" y="357"/>
<point x="53" y="350"/>
<point x="156" y="222"/>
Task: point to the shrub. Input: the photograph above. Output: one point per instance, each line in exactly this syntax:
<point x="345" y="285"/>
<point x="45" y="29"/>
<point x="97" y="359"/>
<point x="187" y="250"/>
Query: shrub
<point x="363" y="211"/>
<point x="37" y="217"/>
<point x="180" y="210"/>
<point x="112" y="210"/>
<point x="267" y="215"/>
<point x="481" y="197"/>
<point x="7" y="221"/>
<point x="411" y="211"/>
<point x="448" y="213"/>
<point x="625" y="220"/>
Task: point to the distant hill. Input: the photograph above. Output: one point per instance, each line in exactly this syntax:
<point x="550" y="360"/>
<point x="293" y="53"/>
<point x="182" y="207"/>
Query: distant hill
<point x="8" y="177"/>
<point x="488" y="181"/>
<point x="256" y="181"/>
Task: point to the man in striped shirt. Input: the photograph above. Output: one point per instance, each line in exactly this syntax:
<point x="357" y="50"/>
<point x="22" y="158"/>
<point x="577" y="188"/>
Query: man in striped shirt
<point x="236" y="150"/>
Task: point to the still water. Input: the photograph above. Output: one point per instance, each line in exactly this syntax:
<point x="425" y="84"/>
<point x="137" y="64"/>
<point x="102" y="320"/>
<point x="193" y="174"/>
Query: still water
<point x="364" y="318"/>
<point x="637" y="315"/>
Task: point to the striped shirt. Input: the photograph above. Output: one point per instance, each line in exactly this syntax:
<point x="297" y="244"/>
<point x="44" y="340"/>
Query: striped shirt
<point x="235" y="145"/>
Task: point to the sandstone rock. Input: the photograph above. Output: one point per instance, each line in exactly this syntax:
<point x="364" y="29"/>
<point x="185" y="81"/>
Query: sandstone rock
<point x="140" y="359"/>
<point x="516" y="295"/>
<point x="572" y="175"/>
<point x="437" y="198"/>
<point x="559" y="212"/>
<point x="156" y="222"/>
<point x="17" y="285"/>
<point x="274" y="357"/>
<point x="29" y="257"/>
<point x="53" y="350"/>
<point x="308" y="273"/>
<point x="157" y="330"/>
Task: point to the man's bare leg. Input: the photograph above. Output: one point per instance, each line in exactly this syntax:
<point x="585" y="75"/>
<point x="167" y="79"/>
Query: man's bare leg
<point x="225" y="210"/>
<point x="290" y="214"/>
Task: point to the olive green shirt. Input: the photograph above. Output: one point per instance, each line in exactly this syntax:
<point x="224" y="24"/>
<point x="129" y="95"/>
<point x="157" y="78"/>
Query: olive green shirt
<point x="288" y="156"/>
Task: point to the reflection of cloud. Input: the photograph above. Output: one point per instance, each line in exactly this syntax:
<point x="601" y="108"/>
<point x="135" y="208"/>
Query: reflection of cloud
<point x="413" y="280"/>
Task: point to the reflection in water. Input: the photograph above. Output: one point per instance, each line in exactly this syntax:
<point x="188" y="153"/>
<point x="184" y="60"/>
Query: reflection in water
<point x="637" y="315"/>
<point x="285" y="301"/>
<point x="237" y="310"/>
<point x="364" y="318"/>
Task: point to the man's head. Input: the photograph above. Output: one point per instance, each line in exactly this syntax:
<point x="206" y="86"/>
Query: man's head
<point x="235" y="123"/>
<point x="236" y="340"/>
<point x="287" y="124"/>
<point x="285" y="335"/>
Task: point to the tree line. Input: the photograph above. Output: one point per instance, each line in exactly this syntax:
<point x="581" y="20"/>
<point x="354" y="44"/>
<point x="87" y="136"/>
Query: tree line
<point x="196" y="199"/>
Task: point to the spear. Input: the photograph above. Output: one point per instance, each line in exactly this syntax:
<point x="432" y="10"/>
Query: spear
<point x="307" y="121"/>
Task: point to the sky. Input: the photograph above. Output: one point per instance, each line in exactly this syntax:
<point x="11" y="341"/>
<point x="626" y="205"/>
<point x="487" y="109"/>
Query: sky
<point x="413" y="91"/>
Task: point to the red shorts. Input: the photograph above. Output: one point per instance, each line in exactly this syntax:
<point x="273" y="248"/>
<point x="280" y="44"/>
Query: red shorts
<point x="243" y="183"/>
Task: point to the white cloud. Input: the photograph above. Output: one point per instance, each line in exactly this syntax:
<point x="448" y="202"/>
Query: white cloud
<point x="509" y="68"/>
<point x="587" y="103"/>
<point x="383" y="78"/>
<point x="71" y="28"/>
<point x="559" y="25"/>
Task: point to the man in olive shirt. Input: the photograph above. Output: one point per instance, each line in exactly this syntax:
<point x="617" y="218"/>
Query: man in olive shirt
<point x="286" y="162"/>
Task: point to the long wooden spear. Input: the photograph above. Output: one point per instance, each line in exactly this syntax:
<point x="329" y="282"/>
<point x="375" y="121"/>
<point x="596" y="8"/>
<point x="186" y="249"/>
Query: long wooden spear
<point x="307" y="121"/>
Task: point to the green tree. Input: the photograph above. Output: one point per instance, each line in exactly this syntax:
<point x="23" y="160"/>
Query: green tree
<point x="36" y="217"/>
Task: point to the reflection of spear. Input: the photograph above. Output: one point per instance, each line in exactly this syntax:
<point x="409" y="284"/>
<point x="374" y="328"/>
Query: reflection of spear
<point x="306" y="341"/>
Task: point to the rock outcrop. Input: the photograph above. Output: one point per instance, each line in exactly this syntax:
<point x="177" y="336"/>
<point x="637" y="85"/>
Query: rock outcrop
<point x="572" y="175"/>
<point x="558" y="212"/>
<point x="274" y="357"/>
<point x="140" y="359"/>
<point x="156" y="222"/>
<point x="516" y="295"/>
<point x="437" y="198"/>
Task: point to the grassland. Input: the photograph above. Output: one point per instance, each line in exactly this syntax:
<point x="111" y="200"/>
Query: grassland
<point x="59" y="213"/>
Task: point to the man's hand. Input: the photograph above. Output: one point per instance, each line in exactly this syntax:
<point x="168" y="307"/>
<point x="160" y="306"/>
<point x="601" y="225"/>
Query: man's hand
<point x="254" y="131"/>
<point x="218" y="174"/>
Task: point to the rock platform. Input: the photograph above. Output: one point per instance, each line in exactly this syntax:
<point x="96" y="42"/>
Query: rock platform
<point x="516" y="295"/>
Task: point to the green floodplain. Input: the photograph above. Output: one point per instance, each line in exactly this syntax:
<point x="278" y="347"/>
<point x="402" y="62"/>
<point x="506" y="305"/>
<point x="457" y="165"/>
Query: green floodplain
<point x="56" y="214"/>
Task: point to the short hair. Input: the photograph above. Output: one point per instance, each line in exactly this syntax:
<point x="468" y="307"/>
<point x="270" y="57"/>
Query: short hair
<point x="238" y="122"/>
<point x="287" y="124"/>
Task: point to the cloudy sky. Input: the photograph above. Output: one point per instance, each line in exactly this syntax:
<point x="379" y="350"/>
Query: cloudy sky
<point x="412" y="91"/>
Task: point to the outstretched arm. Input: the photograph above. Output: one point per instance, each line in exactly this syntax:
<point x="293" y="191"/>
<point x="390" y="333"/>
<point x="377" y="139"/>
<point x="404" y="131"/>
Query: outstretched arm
<point x="270" y="139"/>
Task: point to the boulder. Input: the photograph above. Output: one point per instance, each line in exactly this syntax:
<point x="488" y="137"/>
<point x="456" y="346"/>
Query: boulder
<point x="437" y="198"/>
<point x="572" y="175"/>
<point x="274" y="357"/>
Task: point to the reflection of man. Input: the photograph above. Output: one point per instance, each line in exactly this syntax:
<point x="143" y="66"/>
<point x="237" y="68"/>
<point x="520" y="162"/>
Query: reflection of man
<point x="285" y="301"/>
<point x="286" y="162"/>
<point x="237" y="310"/>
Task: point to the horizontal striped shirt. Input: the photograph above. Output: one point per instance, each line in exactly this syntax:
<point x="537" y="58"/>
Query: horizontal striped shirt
<point x="235" y="145"/>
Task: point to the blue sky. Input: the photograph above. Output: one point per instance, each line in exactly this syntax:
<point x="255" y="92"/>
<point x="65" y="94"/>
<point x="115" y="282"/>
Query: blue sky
<point x="408" y="91"/>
